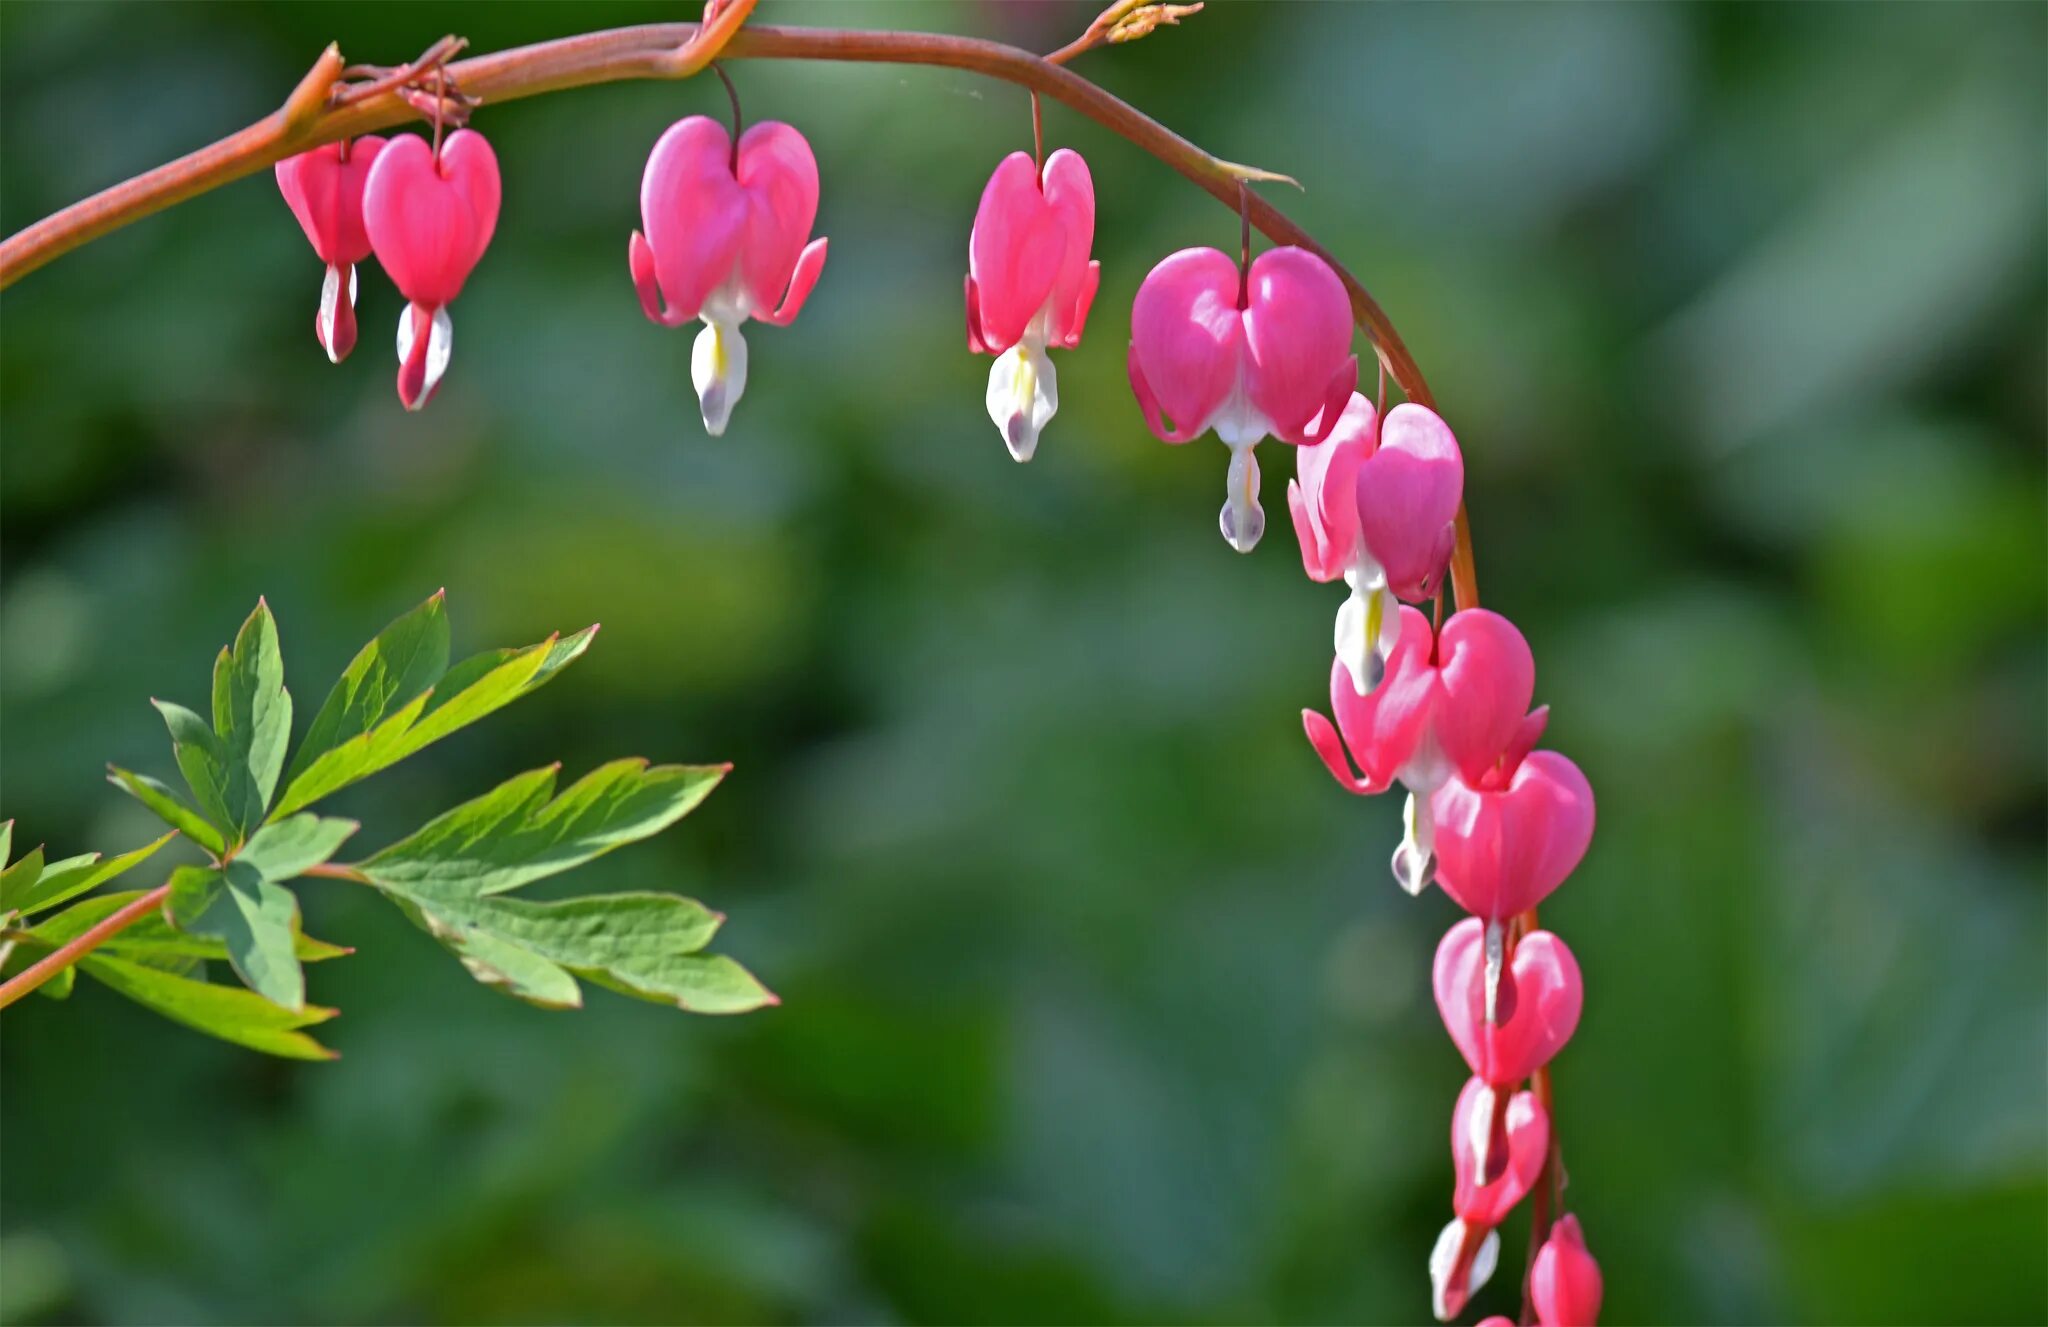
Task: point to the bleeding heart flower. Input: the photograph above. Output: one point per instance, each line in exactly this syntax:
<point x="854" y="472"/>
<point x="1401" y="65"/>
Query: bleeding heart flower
<point x="429" y="221"/>
<point x="1536" y="1009"/>
<point x="1460" y="1265"/>
<point x="1408" y="495"/>
<point x="324" y="188"/>
<point x="1564" y="1281"/>
<point x="1256" y="354"/>
<point x="1497" y="1151"/>
<point x="1029" y="285"/>
<point x="1502" y="846"/>
<point x="727" y="238"/>
<point x="1437" y="706"/>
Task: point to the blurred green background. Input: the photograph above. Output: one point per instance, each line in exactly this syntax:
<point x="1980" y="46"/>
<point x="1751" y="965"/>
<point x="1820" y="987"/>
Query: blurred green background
<point x="1101" y="1004"/>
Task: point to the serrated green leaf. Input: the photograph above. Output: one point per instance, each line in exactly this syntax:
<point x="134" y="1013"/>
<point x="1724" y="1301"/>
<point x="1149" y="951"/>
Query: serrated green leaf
<point x="469" y="691"/>
<point x="168" y="808"/>
<point x="514" y="834"/>
<point x="73" y="876"/>
<point x="19" y="878"/>
<point x="252" y="717"/>
<point x="226" y="1012"/>
<point x="288" y="847"/>
<point x="201" y="759"/>
<point x="151" y="938"/>
<point x="404" y="660"/>
<point x="255" y="918"/>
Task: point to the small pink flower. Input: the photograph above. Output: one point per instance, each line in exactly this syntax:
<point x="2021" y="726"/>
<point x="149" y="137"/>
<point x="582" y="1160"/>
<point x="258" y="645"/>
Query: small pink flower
<point x="1029" y="285"/>
<point x="429" y="221"/>
<point x="1463" y="1261"/>
<point x="1323" y="495"/>
<point x="1497" y="1151"/>
<point x="1506" y="1024"/>
<point x="324" y="188"/>
<point x="1564" y="1281"/>
<point x="1408" y="495"/>
<point x="1444" y="706"/>
<point x="1502" y="846"/>
<point x="1274" y="361"/>
<point x="727" y="238"/>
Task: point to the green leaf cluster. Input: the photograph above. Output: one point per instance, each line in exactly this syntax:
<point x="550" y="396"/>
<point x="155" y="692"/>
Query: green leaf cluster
<point x="246" y="808"/>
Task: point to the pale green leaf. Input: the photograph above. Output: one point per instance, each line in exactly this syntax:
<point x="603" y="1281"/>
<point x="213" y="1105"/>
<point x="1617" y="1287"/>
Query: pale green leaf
<point x="150" y="938"/>
<point x="404" y="660"/>
<point x="252" y="717"/>
<point x="469" y="691"/>
<point x="73" y="876"/>
<point x="168" y="807"/>
<point x="514" y="834"/>
<point x="6" y="841"/>
<point x="255" y="918"/>
<point x="19" y="878"/>
<point x="288" y="847"/>
<point x="201" y="759"/>
<point x="226" y="1012"/>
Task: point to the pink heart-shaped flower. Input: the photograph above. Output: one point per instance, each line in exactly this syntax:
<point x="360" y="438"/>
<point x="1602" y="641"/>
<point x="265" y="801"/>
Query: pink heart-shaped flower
<point x="1014" y="254"/>
<point x="1408" y="496"/>
<point x="1298" y="329"/>
<point x="324" y="189"/>
<point x="430" y="222"/>
<point x="1540" y="997"/>
<point x="1382" y="728"/>
<point x="1500" y="851"/>
<point x="1488" y="678"/>
<point x="779" y="175"/>
<point x="1516" y="1139"/>
<point x="1564" y="1281"/>
<point x="693" y="213"/>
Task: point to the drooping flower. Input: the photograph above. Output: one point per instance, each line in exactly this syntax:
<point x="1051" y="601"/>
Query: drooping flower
<point x="1504" y="842"/>
<point x="429" y="220"/>
<point x="1463" y="1261"/>
<point x="1375" y="504"/>
<point x="1497" y="1151"/>
<point x="1030" y="283"/>
<point x="726" y="238"/>
<point x="1448" y="705"/>
<point x="1564" y="1281"/>
<point x="1507" y="1020"/>
<point x="324" y="188"/>
<point x="1255" y="354"/>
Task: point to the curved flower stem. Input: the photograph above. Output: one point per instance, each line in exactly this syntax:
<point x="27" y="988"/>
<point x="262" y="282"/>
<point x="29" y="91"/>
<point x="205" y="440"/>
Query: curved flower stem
<point x="676" y="50"/>
<point x="54" y="962"/>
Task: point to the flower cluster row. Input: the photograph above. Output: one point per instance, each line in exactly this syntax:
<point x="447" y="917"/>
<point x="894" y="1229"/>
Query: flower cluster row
<point x="1246" y="349"/>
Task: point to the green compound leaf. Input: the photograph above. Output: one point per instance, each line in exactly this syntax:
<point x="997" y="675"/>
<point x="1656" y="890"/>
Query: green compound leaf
<point x="469" y="691"/>
<point x="252" y="717"/>
<point x="291" y="846"/>
<point x="255" y="918"/>
<point x="168" y="807"/>
<point x="449" y="876"/>
<point x="152" y="939"/>
<point x="65" y="880"/>
<point x="242" y="1017"/>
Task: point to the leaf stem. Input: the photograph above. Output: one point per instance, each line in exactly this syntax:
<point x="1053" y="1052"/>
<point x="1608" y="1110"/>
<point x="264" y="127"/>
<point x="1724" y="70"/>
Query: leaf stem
<point x="48" y="966"/>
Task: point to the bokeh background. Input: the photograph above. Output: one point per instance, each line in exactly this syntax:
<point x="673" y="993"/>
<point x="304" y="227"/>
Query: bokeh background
<point x="1101" y="1005"/>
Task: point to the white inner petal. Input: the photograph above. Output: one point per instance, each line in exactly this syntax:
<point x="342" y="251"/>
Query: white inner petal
<point x="440" y="346"/>
<point x="718" y="370"/>
<point x="1023" y="395"/>
<point x="330" y="291"/>
<point x="1368" y="625"/>
<point x="1242" y="519"/>
<point x="1415" y="858"/>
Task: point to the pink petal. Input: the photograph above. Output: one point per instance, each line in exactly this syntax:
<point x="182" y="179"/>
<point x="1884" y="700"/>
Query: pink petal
<point x="1548" y="995"/>
<point x="1521" y="1141"/>
<point x="1489" y="676"/>
<point x="325" y="193"/>
<point x="693" y="213"/>
<point x="1326" y="521"/>
<point x="780" y="178"/>
<point x="429" y="226"/>
<point x="1564" y="1281"/>
<point x="809" y="264"/>
<point x="1408" y="496"/>
<point x="1298" y="336"/>
<point x="1186" y="341"/>
<point x="1502" y="851"/>
<point x="640" y="261"/>
<point x="1070" y="192"/>
<point x="1323" y="737"/>
<point x="1383" y="728"/>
